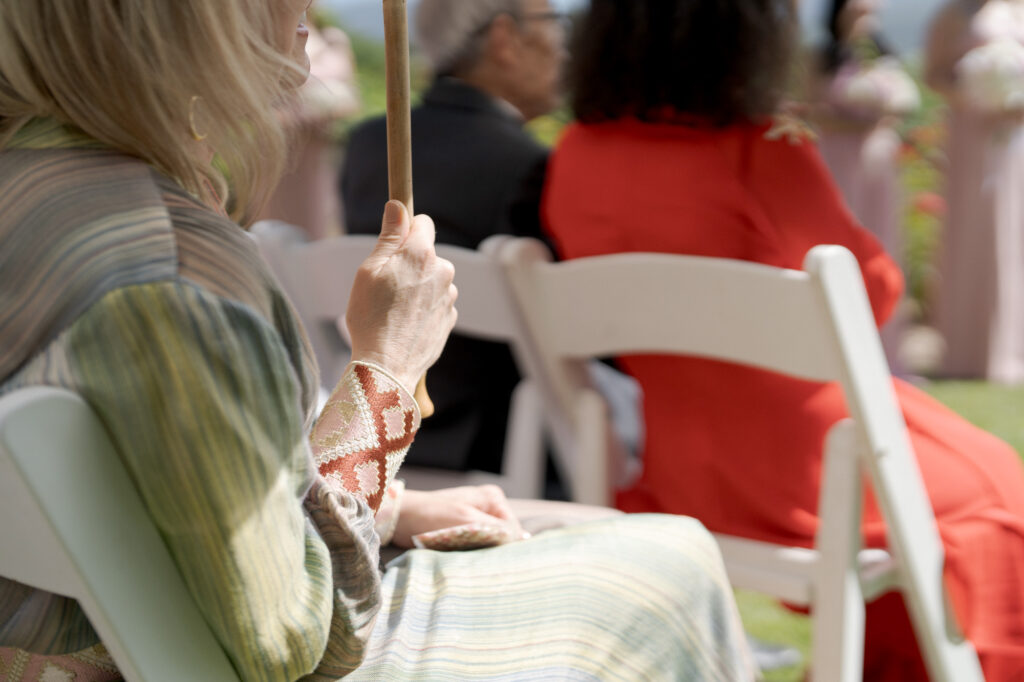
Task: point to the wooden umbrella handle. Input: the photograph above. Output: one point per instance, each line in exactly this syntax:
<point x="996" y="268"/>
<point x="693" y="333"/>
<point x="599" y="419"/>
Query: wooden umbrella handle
<point x="396" y="45"/>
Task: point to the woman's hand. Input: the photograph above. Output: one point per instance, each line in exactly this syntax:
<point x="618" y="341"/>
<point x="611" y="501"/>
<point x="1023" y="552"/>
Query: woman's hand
<point x="422" y="512"/>
<point x="402" y="305"/>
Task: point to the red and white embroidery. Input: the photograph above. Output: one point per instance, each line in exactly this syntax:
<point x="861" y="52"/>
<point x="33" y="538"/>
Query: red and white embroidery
<point x="365" y="430"/>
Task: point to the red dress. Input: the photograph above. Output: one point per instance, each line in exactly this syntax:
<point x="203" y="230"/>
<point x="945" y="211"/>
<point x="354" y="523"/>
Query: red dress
<point x="739" y="448"/>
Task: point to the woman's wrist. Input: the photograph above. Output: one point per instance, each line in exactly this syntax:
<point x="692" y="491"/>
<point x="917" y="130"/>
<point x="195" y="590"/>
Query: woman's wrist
<point x="381" y="364"/>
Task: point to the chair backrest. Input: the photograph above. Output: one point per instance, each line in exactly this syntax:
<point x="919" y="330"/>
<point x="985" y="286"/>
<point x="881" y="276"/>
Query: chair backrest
<point x="814" y="324"/>
<point x="321" y="272"/>
<point x="73" y="524"/>
<point x="318" y="277"/>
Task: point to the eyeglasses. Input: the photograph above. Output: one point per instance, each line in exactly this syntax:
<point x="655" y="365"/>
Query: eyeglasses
<point x="563" y="19"/>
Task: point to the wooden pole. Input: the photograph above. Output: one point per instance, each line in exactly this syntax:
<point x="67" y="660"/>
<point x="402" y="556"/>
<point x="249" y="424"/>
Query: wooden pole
<point x="396" y="45"/>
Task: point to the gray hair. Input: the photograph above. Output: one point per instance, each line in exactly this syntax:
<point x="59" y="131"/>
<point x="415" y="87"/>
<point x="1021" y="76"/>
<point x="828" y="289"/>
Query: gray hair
<point x="450" y="33"/>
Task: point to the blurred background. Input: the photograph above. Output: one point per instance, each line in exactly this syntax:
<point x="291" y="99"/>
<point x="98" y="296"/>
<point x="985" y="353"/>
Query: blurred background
<point x="922" y="167"/>
<point x="901" y="20"/>
<point x="903" y="25"/>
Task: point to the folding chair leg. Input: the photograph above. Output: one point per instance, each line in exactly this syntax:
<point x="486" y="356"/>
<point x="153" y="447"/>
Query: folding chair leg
<point x="524" y="444"/>
<point x="838" y="608"/>
<point x="838" y="616"/>
<point x="590" y="465"/>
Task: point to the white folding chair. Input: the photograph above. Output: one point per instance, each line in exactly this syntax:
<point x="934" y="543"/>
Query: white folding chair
<point x="72" y="523"/>
<point x="317" y="276"/>
<point x="814" y="324"/>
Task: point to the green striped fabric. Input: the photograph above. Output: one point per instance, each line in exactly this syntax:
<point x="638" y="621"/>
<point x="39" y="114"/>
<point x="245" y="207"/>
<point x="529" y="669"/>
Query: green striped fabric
<point x="639" y="597"/>
<point x="117" y="284"/>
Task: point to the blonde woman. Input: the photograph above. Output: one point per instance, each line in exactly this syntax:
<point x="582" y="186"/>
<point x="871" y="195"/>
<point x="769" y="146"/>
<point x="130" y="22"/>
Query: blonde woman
<point x="123" y="278"/>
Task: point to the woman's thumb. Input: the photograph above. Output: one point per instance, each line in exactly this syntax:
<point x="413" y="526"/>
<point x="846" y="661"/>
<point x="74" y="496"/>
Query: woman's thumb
<point x="393" y="230"/>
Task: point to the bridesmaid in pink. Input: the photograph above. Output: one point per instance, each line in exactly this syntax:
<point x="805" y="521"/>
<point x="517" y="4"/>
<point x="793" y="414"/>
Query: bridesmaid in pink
<point x="307" y="195"/>
<point x="861" y="93"/>
<point x="975" y="58"/>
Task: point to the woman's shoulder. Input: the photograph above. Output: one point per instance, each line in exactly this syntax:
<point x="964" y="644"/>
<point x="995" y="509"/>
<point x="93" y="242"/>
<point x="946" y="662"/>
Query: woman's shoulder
<point x="669" y="126"/>
<point x="652" y="144"/>
<point x="114" y="220"/>
<point x="752" y="154"/>
<point x="213" y="252"/>
<point x="689" y="130"/>
<point x="83" y="217"/>
<point x="79" y="223"/>
<point x="786" y="138"/>
<point x="74" y="225"/>
<point x="778" y="164"/>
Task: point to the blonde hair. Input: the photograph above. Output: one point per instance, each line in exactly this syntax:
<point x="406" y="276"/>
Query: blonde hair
<point x="146" y="76"/>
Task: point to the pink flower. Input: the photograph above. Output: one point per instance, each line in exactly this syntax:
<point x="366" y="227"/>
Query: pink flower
<point x="930" y="203"/>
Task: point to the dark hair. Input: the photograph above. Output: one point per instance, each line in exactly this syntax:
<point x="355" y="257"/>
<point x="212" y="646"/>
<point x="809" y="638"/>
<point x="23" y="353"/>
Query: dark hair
<point x="837" y="50"/>
<point x="715" y="61"/>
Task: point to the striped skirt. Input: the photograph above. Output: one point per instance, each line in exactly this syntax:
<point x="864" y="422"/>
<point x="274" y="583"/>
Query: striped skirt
<point x="638" y="597"/>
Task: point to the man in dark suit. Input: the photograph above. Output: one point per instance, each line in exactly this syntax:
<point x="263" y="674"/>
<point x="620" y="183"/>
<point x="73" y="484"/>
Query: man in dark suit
<point x="476" y="172"/>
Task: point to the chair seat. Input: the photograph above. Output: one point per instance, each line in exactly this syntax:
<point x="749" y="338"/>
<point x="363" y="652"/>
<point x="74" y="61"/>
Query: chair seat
<point x="789" y="573"/>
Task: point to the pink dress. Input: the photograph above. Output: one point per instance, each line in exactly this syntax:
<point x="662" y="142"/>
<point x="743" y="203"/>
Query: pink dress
<point x="980" y="296"/>
<point x="860" y="148"/>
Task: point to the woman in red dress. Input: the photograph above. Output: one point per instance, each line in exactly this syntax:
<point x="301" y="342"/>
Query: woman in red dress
<point x="676" y="151"/>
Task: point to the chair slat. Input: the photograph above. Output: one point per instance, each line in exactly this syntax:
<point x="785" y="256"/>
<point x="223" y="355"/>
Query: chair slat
<point x="91" y="538"/>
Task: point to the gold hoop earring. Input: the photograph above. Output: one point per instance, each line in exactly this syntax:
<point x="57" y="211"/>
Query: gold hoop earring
<point x="192" y="119"/>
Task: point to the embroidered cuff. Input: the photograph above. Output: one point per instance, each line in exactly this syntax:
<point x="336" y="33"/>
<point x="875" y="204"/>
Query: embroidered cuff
<point x="364" y="431"/>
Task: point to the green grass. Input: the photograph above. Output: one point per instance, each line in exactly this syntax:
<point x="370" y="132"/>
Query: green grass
<point x="765" y="619"/>
<point x="997" y="409"/>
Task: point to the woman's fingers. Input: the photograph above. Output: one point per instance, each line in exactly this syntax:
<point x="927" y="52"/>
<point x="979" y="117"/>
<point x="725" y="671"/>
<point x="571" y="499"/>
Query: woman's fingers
<point x="496" y="504"/>
<point x="402" y="305"/>
<point x="492" y="500"/>
<point x="422" y="234"/>
<point x="395" y="228"/>
<point x="423" y="512"/>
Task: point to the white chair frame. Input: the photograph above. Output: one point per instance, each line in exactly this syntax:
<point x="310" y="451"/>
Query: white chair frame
<point x="814" y="324"/>
<point x="72" y="523"/>
<point x="318" y="276"/>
